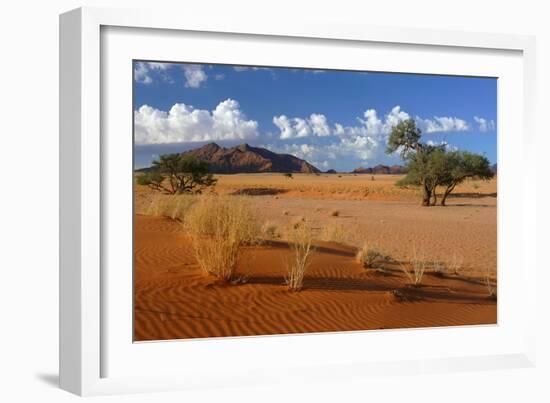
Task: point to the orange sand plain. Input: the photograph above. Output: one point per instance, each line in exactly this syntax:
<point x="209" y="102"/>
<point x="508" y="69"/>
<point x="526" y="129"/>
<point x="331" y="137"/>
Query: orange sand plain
<point x="174" y="299"/>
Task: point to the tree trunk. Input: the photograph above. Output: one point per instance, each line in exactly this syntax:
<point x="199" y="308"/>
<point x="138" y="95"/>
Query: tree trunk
<point x="444" y="198"/>
<point x="448" y="191"/>
<point x="435" y="198"/>
<point x="426" y="196"/>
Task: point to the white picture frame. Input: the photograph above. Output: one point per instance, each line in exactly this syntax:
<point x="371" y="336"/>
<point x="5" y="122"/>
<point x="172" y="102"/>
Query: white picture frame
<point x="87" y="314"/>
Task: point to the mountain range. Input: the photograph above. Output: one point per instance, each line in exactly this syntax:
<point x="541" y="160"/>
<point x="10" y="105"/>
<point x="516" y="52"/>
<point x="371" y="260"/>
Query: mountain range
<point x="381" y="169"/>
<point x="247" y="159"/>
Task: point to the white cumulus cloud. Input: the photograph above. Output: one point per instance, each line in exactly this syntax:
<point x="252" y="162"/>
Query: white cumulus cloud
<point x="143" y="71"/>
<point x="363" y="142"/>
<point x="343" y="148"/>
<point x="371" y="124"/>
<point x="316" y="124"/>
<point x="485" y="125"/>
<point x="194" y="75"/>
<point x="183" y="123"/>
<point x="319" y="125"/>
<point x="442" y="124"/>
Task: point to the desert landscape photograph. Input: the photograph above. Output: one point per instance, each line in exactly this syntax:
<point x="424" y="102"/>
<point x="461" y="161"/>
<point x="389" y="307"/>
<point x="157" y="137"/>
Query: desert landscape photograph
<point x="272" y="201"/>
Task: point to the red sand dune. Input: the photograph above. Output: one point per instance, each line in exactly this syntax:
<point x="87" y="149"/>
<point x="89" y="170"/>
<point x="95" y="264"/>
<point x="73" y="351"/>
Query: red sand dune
<point x="174" y="299"/>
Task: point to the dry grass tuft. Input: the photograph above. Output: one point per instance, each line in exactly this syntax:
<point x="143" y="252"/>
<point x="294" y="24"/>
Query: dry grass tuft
<point x="302" y="247"/>
<point x="455" y="265"/>
<point x="334" y="233"/>
<point x="334" y="213"/>
<point x="439" y="268"/>
<point x="220" y="227"/>
<point x="172" y="206"/>
<point x="367" y="256"/>
<point x="418" y="265"/>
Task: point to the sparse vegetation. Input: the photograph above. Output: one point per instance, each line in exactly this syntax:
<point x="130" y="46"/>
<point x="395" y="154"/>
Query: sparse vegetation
<point x="367" y="256"/>
<point x="430" y="166"/>
<point x="334" y="233"/>
<point x="302" y="250"/>
<point x="439" y="268"/>
<point x="288" y="175"/>
<point x="455" y="265"/>
<point x="418" y="265"/>
<point x="172" y="206"/>
<point x="334" y="213"/>
<point x="175" y="174"/>
<point x="220" y="227"/>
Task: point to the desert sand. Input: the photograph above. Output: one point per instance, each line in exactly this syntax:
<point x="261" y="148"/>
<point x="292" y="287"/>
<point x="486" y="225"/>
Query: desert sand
<point x="175" y="299"/>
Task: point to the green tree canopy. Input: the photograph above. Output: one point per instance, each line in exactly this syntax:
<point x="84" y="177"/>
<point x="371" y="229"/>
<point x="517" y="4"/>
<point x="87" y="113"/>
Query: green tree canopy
<point x="176" y="173"/>
<point x="405" y="138"/>
<point x="461" y="165"/>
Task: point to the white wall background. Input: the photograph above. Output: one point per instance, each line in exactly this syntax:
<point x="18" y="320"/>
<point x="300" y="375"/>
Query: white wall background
<point x="29" y="201"/>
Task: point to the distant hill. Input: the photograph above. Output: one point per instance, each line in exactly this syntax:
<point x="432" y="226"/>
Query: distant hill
<point x="247" y="159"/>
<point x="381" y="169"/>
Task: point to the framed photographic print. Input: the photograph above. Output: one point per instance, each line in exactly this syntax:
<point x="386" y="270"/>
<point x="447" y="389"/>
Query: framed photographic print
<point x="240" y="196"/>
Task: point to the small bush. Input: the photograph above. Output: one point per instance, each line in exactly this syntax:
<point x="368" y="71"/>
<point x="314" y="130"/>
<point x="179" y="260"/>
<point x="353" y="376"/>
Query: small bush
<point x="220" y="227"/>
<point x="367" y="256"/>
<point x="334" y="213"/>
<point x="269" y="229"/>
<point x="302" y="247"/>
<point x="418" y="268"/>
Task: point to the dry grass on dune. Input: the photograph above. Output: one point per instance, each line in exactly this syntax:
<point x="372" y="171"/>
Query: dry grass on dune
<point x="172" y="206"/>
<point x="174" y="300"/>
<point x="220" y="226"/>
<point x="415" y="269"/>
<point x="316" y="235"/>
<point x="301" y="241"/>
<point x="367" y="256"/>
<point x="334" y="233"/>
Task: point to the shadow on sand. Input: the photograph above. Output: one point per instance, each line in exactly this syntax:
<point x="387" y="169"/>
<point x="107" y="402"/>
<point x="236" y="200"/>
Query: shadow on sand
<point x="258" y="192"/>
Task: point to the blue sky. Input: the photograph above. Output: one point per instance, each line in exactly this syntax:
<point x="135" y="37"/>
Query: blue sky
<point x="333" y="119"/>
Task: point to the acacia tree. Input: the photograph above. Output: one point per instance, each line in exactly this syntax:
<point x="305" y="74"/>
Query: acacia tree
<point x="184" y="174"/>
<point x="405" y="139"/>
<point x="427" y="169"/>
<point x="460" y="165"/>
<point x="432" y="166"/>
